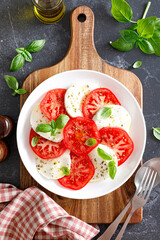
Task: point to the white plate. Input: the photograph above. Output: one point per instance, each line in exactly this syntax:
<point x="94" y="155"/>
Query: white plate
<point x="138" y="133"/>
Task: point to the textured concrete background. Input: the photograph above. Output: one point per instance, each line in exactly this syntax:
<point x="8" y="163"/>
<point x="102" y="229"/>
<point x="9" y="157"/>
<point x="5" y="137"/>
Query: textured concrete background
<point x="18" y="27"/>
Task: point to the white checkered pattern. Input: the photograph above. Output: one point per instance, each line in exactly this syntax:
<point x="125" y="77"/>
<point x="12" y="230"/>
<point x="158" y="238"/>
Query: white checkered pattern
<point x="31" y="213"/>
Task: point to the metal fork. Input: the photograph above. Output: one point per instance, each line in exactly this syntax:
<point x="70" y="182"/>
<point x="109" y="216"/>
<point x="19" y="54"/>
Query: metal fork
<point x="139" y="199"/>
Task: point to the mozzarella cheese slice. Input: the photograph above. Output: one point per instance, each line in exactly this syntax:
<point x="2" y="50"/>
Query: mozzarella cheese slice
<point x="52" y="168"/>
<point x="75" y="96"/>
<point x="37" y="117"/>
<point x="101" y="165"/>
<point x="119" y="118"/>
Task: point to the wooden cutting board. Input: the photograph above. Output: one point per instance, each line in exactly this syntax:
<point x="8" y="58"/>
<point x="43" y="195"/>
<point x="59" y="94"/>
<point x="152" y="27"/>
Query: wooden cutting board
<point x="83" y="55"/>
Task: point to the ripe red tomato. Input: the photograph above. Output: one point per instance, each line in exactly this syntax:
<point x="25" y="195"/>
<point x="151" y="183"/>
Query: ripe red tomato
<point x="52" y="105"/>
<point x="97" y="99"/>
<point x="119" y="140"/>
<point x="77" y="131"/>
<point x="46" y="149"/>
<point x="81" y="172"/>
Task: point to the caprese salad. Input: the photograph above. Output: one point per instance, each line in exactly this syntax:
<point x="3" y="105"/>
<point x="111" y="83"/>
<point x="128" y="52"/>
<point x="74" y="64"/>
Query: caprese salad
<point x="80" y="135"/>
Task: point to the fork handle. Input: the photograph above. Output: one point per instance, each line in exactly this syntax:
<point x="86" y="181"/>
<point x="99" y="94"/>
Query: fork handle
<point x="120" y="234"/>
<point x="112" y="228"/>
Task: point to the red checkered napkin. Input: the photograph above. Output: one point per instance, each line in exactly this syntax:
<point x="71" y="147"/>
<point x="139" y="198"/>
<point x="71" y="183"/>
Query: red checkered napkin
<point x="31" y="213"/>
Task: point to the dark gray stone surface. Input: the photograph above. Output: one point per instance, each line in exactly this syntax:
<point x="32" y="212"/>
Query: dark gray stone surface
<point x="18" y="27"/>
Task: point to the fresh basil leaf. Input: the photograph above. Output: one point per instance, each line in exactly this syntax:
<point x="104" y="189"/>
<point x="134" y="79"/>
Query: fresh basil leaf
<point x="90" y="142"/>
<point x="146" y="46"/>
<point x="53" y="132"/>
<point x="129" y="35"/>
<point x="133" y="27"/>
<point x="20" y="91"/>
<point x="136" y="44"/>
<point x="20" y="50"/>
<point x="36" y="45"/>
<point x="122" y="45"/>
<point x="104" y="113"/>
<point x="11" y="82"/>
<point x="156" y="133"/>
<point x="17" y="63"/>
<point x="121" y="11"/>
<point x="43" y="128"/>
<point x="66" y="171"/>
<point x="103" y="154"/>
<point x="155" y="40"/>
<point x="14" y="94"/>
<point x="137" y="64"/>
<point x="145" y="27"/>
<point x="53" y="124"/>
<point x="34" y="141"/>
<point x="62" y="121"/>
<point x="111" y="163"/>
<point x="27" y="56"/>
<point x="112" y="171"/>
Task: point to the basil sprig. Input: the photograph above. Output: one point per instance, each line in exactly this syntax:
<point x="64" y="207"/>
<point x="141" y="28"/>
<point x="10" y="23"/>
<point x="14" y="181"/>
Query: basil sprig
<point x="13" y="84"/>
<point x="112" y="169"/>
<point x="24" y="54"/>
<point x="66" y="171"/>
<point x="156" y="133"/>
<point x="104" y="113"/>
<point x="103" y="154"/>
<point x="145" y="33"/>
<point x="90" y="142"/>
<point x="58" y="124"/>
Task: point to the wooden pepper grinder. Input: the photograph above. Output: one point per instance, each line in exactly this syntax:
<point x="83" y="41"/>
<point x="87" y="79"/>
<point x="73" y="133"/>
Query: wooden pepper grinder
<point x="5" y="129"/>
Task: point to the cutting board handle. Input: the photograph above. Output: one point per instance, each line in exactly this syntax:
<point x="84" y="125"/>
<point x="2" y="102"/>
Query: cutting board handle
<point x="82" y="34"/>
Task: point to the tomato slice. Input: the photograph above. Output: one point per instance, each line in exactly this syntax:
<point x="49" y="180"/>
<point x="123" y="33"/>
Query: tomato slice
<point x="77" y="131"/>
<point x="52" y="105"/>
<point x="81" y="172"/>
<point x="119" y="140"/>
<point x="97" y="99"/>
<point x="45" y="148"/>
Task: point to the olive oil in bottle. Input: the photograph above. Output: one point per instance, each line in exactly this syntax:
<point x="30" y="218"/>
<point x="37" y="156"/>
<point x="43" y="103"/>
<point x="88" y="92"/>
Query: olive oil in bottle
<point x="49" y="11"/>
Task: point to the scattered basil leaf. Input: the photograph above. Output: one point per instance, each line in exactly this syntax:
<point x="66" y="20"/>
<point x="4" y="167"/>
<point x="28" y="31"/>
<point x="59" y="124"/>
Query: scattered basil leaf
<point x="90" y="142"/>
<point x="112" y="171"/>
<point x="103" y="154"/>
<point x="34" y="141"/>
<point x="53" y="124"/>
<point x="66" y="171"/>
<point x="145" y="27"/>
<point x="121" y="11"/>
<point x="27" y="56"/>
<point x="20" y="91"/>
<point x="104" y="113"/>
<point x="156" y="133"/>
<point x="155" y="39"/>
<point x="43" y="128"/>
<point x="136" y="44"/>
<point x="62" y="121"/>
<point x="145" y="46"/>
<point x="129" y="35"/>
<point x="17" y="63"/>
<point x="137" y="64"/>
<point x="111" y="163"/>
<point x="36" y="45"/>
<point x="20" y="50"/>
<point x="122" y="45"/>
<point x="11" y="82"/>
<point x="133" y="27"/>
<point x="53" y="132"/>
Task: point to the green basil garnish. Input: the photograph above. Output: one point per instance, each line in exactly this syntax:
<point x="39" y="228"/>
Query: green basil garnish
<point x="17" y="63"/>
<point x="35" y="46"/>
<point x="104" y="113"/>
<point x="156" y="133"/>
<point x="13" y="84"/>
<point x="103" y="154"/>
<point x="137" y="64"/>
<point x="43" y="128"/>
<point x="62" y="121"/>
<point x="90" y="142"/>
<point x="34" y="141"/>
<point x="112" y="171"/>
<point x="66" y="171"/>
